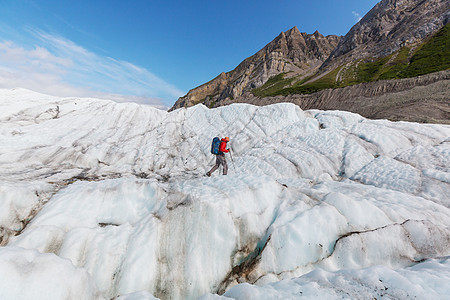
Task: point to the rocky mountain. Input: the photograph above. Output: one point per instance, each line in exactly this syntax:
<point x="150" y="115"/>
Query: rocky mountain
<point x="293" y="52"/>
<point x="396" y="39"/>
<point x="387" y="27"/>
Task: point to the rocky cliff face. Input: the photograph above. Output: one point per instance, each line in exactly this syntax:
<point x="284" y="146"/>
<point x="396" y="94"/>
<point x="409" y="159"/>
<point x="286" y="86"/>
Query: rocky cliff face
<point x="391" y="24"/>
<point x="292" y="52"/>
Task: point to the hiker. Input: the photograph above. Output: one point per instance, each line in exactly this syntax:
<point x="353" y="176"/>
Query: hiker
<point x="220" y="156"/>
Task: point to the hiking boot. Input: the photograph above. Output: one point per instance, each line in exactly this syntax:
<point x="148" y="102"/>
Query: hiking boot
<point x="208" y="174"/>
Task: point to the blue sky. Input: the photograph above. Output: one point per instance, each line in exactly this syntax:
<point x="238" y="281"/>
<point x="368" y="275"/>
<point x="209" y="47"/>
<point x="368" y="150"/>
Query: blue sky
<point x="148" y="51"/>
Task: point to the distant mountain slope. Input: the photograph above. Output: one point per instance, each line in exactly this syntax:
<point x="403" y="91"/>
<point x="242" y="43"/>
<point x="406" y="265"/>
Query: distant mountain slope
<point x="396" y="39"/>
<point x="432" y="55"/>
<point x="423" y="99"/>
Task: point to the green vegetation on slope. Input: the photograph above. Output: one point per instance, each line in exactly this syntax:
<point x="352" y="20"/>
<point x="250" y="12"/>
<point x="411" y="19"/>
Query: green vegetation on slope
<point x="325" y="82"/>
<point x="272" y="85"/>
<point x="431" y="56"/>
<point x="393" y="69"/>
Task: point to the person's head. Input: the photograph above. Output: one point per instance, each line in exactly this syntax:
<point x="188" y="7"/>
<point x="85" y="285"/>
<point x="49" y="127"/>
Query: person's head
<point x="226" y="139"/>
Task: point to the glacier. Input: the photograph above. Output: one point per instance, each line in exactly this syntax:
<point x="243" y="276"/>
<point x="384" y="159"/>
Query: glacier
<point x="105" y="200"/>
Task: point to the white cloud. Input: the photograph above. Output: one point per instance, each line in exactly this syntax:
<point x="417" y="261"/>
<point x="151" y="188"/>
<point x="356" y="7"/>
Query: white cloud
<point x="155" y="102"/>
<point x="35" y="69"/>
<point x="357" y="16"/>
<point x="60" y="67"/>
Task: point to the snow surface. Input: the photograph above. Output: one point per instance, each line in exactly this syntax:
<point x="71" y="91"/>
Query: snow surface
<point x="103" y="200"/>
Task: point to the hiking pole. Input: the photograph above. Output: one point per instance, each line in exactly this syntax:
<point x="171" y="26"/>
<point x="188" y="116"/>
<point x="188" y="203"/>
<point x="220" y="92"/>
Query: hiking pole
<point x="234" y="167"/>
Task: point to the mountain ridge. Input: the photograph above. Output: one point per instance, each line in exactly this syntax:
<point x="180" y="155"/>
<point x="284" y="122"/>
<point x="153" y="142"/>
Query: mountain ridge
<point x="380" y="46"/>
<point x="291" y="51"/>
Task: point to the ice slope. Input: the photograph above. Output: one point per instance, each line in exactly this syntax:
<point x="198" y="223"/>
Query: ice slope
<point x="101" y="200"/>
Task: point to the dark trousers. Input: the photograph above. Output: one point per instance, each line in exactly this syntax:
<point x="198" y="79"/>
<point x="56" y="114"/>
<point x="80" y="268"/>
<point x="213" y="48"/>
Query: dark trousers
<point x="220" y="160"/>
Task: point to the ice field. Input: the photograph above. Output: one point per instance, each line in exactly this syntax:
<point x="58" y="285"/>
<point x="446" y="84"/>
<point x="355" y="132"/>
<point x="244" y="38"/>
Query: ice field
<point x="105" y="200"/>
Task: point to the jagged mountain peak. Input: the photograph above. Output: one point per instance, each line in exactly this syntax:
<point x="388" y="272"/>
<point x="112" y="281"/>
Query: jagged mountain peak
<point x="293" y="30"/>
<point x="291" y="52"/>
<point x="317" y="34"/>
